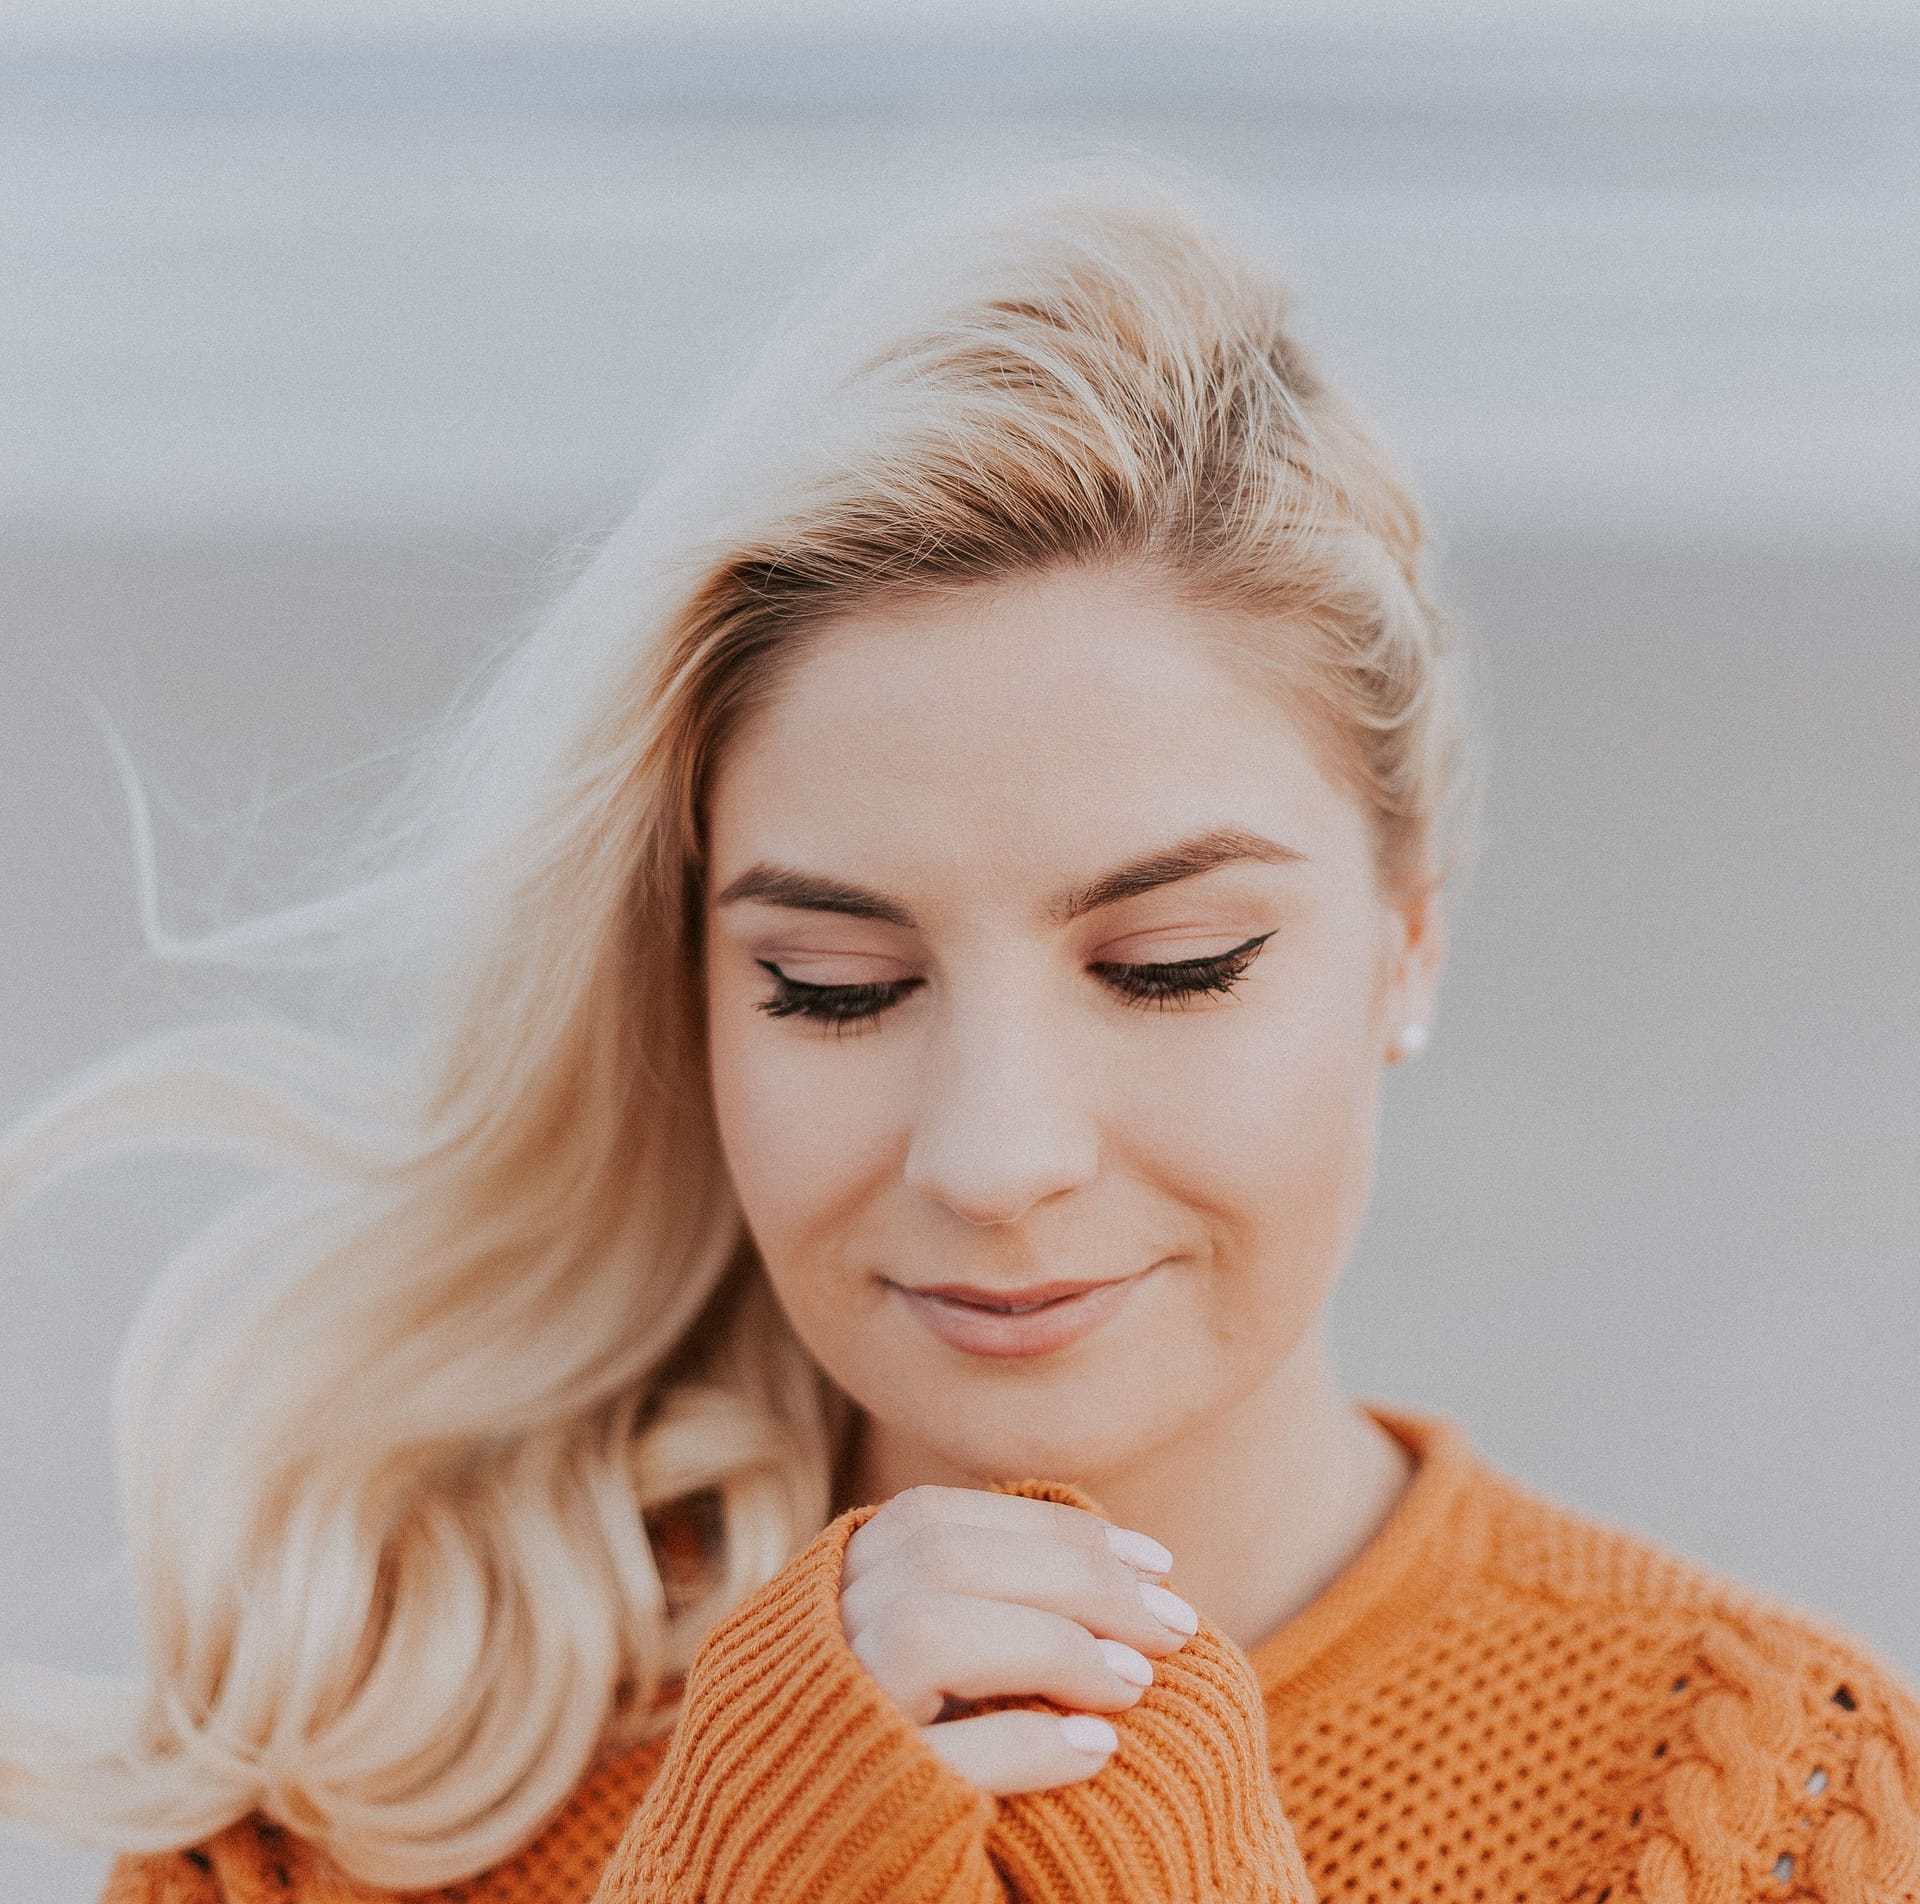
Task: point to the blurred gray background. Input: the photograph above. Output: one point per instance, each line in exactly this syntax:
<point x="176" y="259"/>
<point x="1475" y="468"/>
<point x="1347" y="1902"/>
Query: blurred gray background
<point x="319" y="352"/>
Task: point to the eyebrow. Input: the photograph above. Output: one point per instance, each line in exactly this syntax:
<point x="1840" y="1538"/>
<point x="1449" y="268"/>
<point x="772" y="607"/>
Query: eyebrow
<point x="1187" y="859"/>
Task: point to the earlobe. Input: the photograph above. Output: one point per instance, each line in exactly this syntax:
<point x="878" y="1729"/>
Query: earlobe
<point x="1408" y="1042"/>
<point x="1422" y="950"/>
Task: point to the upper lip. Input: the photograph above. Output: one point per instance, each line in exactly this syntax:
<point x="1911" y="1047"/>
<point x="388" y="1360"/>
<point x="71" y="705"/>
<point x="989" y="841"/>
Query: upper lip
<point x="1021" y="1298"/>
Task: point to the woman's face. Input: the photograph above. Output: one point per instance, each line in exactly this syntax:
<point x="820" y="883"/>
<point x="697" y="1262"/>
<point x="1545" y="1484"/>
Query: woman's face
<point x="953" y="832"/>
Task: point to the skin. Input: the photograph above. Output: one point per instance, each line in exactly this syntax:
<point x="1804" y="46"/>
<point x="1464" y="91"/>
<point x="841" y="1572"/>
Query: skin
<point x="1011" y="1118"/>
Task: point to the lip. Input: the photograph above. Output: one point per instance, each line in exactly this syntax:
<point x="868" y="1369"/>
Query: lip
<point x="1048" y="1316"/>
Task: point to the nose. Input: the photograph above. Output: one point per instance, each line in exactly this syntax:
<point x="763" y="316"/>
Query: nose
<point x="1001" y="1121"/>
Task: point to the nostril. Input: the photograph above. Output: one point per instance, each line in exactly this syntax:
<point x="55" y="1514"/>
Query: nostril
<point x="988" y="1190"/>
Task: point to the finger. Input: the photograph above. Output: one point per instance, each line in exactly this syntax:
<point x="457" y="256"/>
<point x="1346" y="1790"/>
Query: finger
<point x="928" y="1647"/>
<point x="1008" y="1752"/>
<point x="916" y="1508"/>
<point x="1101" y="1592"/>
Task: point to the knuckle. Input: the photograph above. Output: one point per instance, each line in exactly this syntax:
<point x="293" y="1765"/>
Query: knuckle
<point x="917" y="1506"/>
<point x="1075" y="1524"/>
<point x="1057" y="1520"/>
<point x="896" y="1517"/>
<point x="917" y="1624"/>
<point x="869" y="1647"/>
<point x="860" y="1550"/>
<point x="1089" y="1663"/>
<point x="937" y="1552"/>
<point x="876" y="1531"/>
<point x="897" y="1644"/>
<point x="1097" y="1573"/>
<point x="1119" y="1593"/>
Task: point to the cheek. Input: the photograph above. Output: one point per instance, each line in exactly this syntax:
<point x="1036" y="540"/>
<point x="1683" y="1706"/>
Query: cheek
<point x="1269" y="1129"/>
<point x="801" y="1130"/>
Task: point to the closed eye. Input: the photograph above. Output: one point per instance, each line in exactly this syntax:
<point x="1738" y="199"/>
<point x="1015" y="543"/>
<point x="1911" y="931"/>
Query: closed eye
<point x="838" y="1005"/>
<point x="1163" y="986"/>
<point x="1184" y="978"/>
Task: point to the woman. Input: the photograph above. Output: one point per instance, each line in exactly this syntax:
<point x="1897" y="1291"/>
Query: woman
<point x="808" y="1380"/>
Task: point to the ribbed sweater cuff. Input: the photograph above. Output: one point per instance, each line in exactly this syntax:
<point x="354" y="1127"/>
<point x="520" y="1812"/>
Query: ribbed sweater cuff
<point x="793" y="1778"/>
<point x="1185" y="1810"/>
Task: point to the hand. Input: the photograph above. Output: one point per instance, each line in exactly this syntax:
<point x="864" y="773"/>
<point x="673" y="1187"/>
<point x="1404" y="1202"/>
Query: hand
<point x="956" y="1594"/>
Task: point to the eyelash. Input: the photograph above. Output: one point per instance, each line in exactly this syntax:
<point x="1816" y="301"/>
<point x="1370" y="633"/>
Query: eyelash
<point x="1146" y="987"/>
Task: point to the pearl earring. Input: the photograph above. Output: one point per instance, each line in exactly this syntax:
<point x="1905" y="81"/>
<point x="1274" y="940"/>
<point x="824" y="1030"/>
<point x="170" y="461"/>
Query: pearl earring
<point x="1410" y="1041"/>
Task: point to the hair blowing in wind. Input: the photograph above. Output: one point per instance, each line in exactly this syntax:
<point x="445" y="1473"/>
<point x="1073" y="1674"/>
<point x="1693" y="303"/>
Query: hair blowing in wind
<point x="390" y="1428"/>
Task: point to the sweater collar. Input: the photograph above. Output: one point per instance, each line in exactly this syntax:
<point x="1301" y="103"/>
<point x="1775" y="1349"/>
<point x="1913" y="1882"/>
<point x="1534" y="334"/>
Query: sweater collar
<point x="1432" y="1536"/>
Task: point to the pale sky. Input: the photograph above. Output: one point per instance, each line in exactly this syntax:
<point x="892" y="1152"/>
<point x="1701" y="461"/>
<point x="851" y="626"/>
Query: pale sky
<point x="110" y="22"/>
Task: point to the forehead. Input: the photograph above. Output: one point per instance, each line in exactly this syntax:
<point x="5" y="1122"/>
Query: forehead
<point x="1048" y="716"/>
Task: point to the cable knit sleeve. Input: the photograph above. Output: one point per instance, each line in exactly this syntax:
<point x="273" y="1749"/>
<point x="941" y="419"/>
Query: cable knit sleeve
<point x="1789" y="1766"/>
<point x="1871" y="1846"/>
<point x="1865" y="1844"/>
<point x="792" y="1778"/>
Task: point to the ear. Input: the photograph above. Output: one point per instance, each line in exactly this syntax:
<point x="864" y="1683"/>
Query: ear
<point x="1413" y="977"/>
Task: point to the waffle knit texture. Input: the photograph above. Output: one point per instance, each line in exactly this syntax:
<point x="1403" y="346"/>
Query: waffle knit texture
<point x="1500" y="1701"/>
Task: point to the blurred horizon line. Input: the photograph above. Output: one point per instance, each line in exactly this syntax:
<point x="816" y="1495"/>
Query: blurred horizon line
<point x="1567" y="278"/>
<point x="1047" y="65"/>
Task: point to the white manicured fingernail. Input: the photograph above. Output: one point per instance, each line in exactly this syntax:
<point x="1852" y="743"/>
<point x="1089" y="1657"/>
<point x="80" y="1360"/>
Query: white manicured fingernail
<point x="1139" y="1550"/>
<point x="1169" y="1609"/>
<point x="1085" y="1733"/>
<point x="1135" y="1668"/>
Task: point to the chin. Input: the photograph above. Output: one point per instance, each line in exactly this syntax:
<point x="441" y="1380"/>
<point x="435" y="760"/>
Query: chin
<point x="1035" y="1438"/>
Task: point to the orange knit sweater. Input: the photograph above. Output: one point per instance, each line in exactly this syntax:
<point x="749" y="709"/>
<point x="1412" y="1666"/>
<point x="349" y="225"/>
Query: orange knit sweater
<point x="1499" y="1701"/>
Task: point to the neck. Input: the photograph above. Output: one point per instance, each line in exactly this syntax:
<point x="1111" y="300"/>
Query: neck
<point x="1263" y="1505"/>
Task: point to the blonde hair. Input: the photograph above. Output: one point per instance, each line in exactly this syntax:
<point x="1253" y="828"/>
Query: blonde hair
<point x="392" y="1429"/>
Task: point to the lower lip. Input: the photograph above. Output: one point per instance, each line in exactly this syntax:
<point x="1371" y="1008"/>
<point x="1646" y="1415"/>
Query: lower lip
<point x="1036" y="1332"/>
